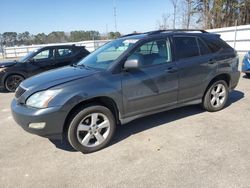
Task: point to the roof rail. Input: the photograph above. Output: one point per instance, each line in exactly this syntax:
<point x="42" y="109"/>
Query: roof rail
<point x="131" y="34"/>
<point x="175" y="30"/>
<point x="165" y="30"/>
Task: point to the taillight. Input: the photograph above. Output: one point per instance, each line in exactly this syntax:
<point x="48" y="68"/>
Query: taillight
<point x="248" y="55"/>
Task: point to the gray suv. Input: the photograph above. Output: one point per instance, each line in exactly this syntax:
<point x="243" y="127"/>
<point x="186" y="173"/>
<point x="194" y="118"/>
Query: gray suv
<point x="127" y="78"/>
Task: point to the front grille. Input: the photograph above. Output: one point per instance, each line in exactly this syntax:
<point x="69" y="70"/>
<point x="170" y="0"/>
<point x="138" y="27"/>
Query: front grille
<point x="19" y="92"/>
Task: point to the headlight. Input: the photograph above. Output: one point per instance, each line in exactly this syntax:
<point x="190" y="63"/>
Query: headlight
<point x="41" y="99"/>
<point x="2" y="69"/>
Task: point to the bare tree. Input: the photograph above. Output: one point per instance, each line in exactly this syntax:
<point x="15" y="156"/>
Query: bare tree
<point x="188" y="12"/>
<point x="163" y="23"/>
<point x="174" y="3"/>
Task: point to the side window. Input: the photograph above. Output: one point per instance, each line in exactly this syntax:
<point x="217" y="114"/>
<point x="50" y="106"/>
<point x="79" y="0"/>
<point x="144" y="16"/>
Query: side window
<point x="215" y="44"/>
<point x="148" y="48"/>
<point x="203" y="47"/>
<point x="186" y="47"/>
<point x="153" y="53"/>
<point x="64" y="52"/>
<point x="46" y="54"/>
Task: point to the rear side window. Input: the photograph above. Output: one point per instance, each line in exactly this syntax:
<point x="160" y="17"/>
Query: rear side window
<point x="203" y="47"/>
<point x="80" y="49"/>
<point x="186" y="47"/>
<point x="215" y="44"/>
<point x="64" y="52"/>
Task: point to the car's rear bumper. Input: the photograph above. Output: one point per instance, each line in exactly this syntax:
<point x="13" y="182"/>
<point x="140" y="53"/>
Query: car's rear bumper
<point x="235" y="77"/>
<point x="246" y="71"/>
<point x="53" y="118"/>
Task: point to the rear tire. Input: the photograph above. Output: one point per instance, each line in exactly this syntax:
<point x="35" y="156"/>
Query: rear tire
<point x="91" y="128"/>
<point x="248" y="75"/>
<point x="12" y="82"/>
<point x="216" y="96"/>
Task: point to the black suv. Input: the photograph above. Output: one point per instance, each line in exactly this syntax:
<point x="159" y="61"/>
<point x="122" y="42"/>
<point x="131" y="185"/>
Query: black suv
<point x="127" y="78"/>
<point x="46" y="58"/>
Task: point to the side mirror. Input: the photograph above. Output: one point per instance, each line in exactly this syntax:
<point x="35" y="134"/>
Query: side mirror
<point x="131" y="64"/>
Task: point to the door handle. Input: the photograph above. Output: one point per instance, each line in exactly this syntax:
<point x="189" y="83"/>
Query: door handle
<point x="171" y="70"/>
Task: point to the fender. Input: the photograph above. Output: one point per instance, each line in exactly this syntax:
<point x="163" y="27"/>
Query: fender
<point x="12" y="73"/>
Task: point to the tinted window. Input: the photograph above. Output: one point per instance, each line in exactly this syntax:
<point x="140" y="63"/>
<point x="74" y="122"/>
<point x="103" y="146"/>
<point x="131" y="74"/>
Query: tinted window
<point x="215" y="44"/>
<point x="203" y="47"/>
<point x="186" y="47"/>
<point x="153" y="53"/>
<point x="64" y="52"/>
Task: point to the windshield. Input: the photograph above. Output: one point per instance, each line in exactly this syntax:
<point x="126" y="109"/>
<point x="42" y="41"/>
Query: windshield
<point x="103" y="57"/>
<point x="27" y="57"/>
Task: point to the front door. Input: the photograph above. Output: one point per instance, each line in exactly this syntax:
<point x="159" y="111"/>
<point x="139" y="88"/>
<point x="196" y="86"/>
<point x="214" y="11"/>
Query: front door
<point x="155" y="84"/>
<point x="41" y="62"/>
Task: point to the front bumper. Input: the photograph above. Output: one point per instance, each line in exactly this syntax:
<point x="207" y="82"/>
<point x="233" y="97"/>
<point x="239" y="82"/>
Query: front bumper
<point x="54" y="119"/>
<point x="1" y="79"/>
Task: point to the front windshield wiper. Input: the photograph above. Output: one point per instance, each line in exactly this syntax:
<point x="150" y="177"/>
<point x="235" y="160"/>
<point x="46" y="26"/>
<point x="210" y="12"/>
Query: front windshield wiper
<point x="78" y="65"/>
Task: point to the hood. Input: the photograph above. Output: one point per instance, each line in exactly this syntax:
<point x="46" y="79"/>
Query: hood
<point x="56" y="77"/>
<point x="7" y="64"/>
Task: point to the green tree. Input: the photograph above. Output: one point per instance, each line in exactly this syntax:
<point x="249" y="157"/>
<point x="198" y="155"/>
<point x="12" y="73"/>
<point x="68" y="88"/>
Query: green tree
<point x="56" y="36"/>
<point x="114" y="35"/>
<point x="223" y="13"/>
<point x="24" y="38"/>
<point x="40" y="38"/>
<point x="9" y="38"/>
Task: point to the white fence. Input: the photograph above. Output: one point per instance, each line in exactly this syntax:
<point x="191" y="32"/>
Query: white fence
<point x="15" y="52"/>
<point x="237" y="37"/>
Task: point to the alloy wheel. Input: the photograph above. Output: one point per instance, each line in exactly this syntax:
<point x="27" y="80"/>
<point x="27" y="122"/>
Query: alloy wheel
<point x="93" y="130"/>
<point x="218" y="95"/>
<point x="12" y="82"/>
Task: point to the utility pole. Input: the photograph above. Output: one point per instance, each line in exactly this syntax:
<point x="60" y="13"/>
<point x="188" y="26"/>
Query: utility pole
<point x="235" y="33"/>
<point x="107" y="32"/>
<point x="115" y="14"/>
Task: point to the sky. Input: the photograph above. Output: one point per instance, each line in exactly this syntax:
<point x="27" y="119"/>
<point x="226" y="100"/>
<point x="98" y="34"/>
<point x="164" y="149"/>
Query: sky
<point x="37" y="16"/>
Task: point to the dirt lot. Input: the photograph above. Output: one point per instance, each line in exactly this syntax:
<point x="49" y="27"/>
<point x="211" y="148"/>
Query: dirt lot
<point x="186" y="147"/>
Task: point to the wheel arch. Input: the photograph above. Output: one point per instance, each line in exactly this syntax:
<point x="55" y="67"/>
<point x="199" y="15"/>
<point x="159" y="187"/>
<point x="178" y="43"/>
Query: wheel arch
<point x="224" y="76"/>
<point x="13" y="73"/>
<point x="103" y="100"/>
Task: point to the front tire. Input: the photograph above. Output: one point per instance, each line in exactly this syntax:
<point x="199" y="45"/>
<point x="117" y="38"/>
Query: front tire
<point x="12" y="82"/>
<point x="216" y="96"/>
<point x="91" y="128"/>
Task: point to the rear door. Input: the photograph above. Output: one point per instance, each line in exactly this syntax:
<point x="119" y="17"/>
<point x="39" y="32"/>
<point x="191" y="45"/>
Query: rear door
<point x="64" y="56"/>
<point x="195" y="64"/>
<point x="155" y="84"/>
